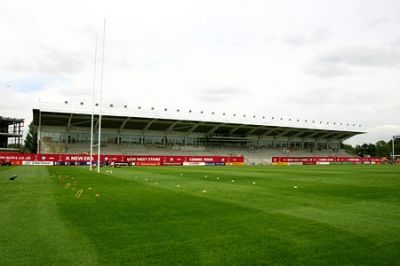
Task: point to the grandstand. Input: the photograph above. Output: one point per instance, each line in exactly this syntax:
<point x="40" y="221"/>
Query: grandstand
<point x="11" y="134"/>
<point x="66" y="128"/>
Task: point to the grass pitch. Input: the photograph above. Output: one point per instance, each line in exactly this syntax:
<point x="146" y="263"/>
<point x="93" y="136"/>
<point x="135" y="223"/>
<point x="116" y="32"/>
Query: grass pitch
<point x="262" y="215"/>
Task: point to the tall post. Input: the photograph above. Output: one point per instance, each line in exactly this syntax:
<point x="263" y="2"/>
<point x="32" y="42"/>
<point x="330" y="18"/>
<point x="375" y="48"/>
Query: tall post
<point x="101" y="101"/>
<point x="39" y="130"/>
<point x="91" y="125"/>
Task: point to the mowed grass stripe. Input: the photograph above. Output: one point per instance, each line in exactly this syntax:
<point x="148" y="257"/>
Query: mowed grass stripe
<point x="183" y="229"/>
<point x="143" y="218"/>
<point x="32" y="230"/>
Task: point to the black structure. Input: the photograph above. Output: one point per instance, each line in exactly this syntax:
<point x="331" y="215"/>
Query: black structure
<point x="11" y="134"/>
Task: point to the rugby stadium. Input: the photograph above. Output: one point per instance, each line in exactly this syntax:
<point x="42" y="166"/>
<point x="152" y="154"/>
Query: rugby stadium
<point x="65" y="128"/>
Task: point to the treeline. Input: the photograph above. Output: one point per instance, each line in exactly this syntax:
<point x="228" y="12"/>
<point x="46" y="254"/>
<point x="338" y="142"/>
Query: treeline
<point x="379" y="149"/>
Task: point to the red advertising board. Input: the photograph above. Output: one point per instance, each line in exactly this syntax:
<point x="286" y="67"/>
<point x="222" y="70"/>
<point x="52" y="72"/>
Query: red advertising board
<point x="284" y="160"/>
<point x="150" y="160"/>
<point x="75" y="159"/>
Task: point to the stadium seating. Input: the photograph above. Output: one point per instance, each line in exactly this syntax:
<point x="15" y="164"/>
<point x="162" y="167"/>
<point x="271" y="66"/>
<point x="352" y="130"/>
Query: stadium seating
<point x="252" y="156"/>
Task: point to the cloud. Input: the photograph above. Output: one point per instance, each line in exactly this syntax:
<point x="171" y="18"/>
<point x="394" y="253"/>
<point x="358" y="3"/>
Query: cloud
<point x="279" y="59"/>
<point x="383" y="132"/>
<point x="35" y="82"/>
<point x="348" y="60"/>
<point x="48" y="60"/>
<point x="377" y="22"/>
<point x="220" y="94"/>
<point x="327" y="70"/>
<point x="396" y="43"/>
<point x="305" y="38"/>
<point x="362" y="56"/>
<point x="17" y="104"/>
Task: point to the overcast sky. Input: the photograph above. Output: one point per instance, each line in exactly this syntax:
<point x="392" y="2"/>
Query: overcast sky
<point x="334" y="61"/>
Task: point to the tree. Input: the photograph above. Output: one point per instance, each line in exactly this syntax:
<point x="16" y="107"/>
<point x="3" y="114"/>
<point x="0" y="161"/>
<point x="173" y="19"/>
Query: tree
<point x="348" y="148"/>
<point x="380" y="149"/>
<point x="366" y="150"/>
<point x="31" y="139"/>
<point x="383" y="149"/>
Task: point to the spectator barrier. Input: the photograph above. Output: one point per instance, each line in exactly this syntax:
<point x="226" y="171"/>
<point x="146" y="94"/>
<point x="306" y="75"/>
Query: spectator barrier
<point x="121" y="160"/>
<point x="284" y="160"/>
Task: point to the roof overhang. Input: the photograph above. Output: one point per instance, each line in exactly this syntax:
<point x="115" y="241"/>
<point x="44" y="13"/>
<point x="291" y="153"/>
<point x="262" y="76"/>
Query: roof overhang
<point x="186" y="123"/>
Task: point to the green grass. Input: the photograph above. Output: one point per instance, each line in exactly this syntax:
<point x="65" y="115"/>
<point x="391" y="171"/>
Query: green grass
<point x="337" y="215"/>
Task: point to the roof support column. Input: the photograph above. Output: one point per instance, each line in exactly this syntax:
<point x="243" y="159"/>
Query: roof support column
<point x="39" y="146"/>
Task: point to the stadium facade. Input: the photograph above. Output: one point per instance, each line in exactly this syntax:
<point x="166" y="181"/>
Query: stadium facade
<point x="62" y="128"/>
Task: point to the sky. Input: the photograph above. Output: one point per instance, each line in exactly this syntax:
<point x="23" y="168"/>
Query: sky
<point x="334" y="61"/>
